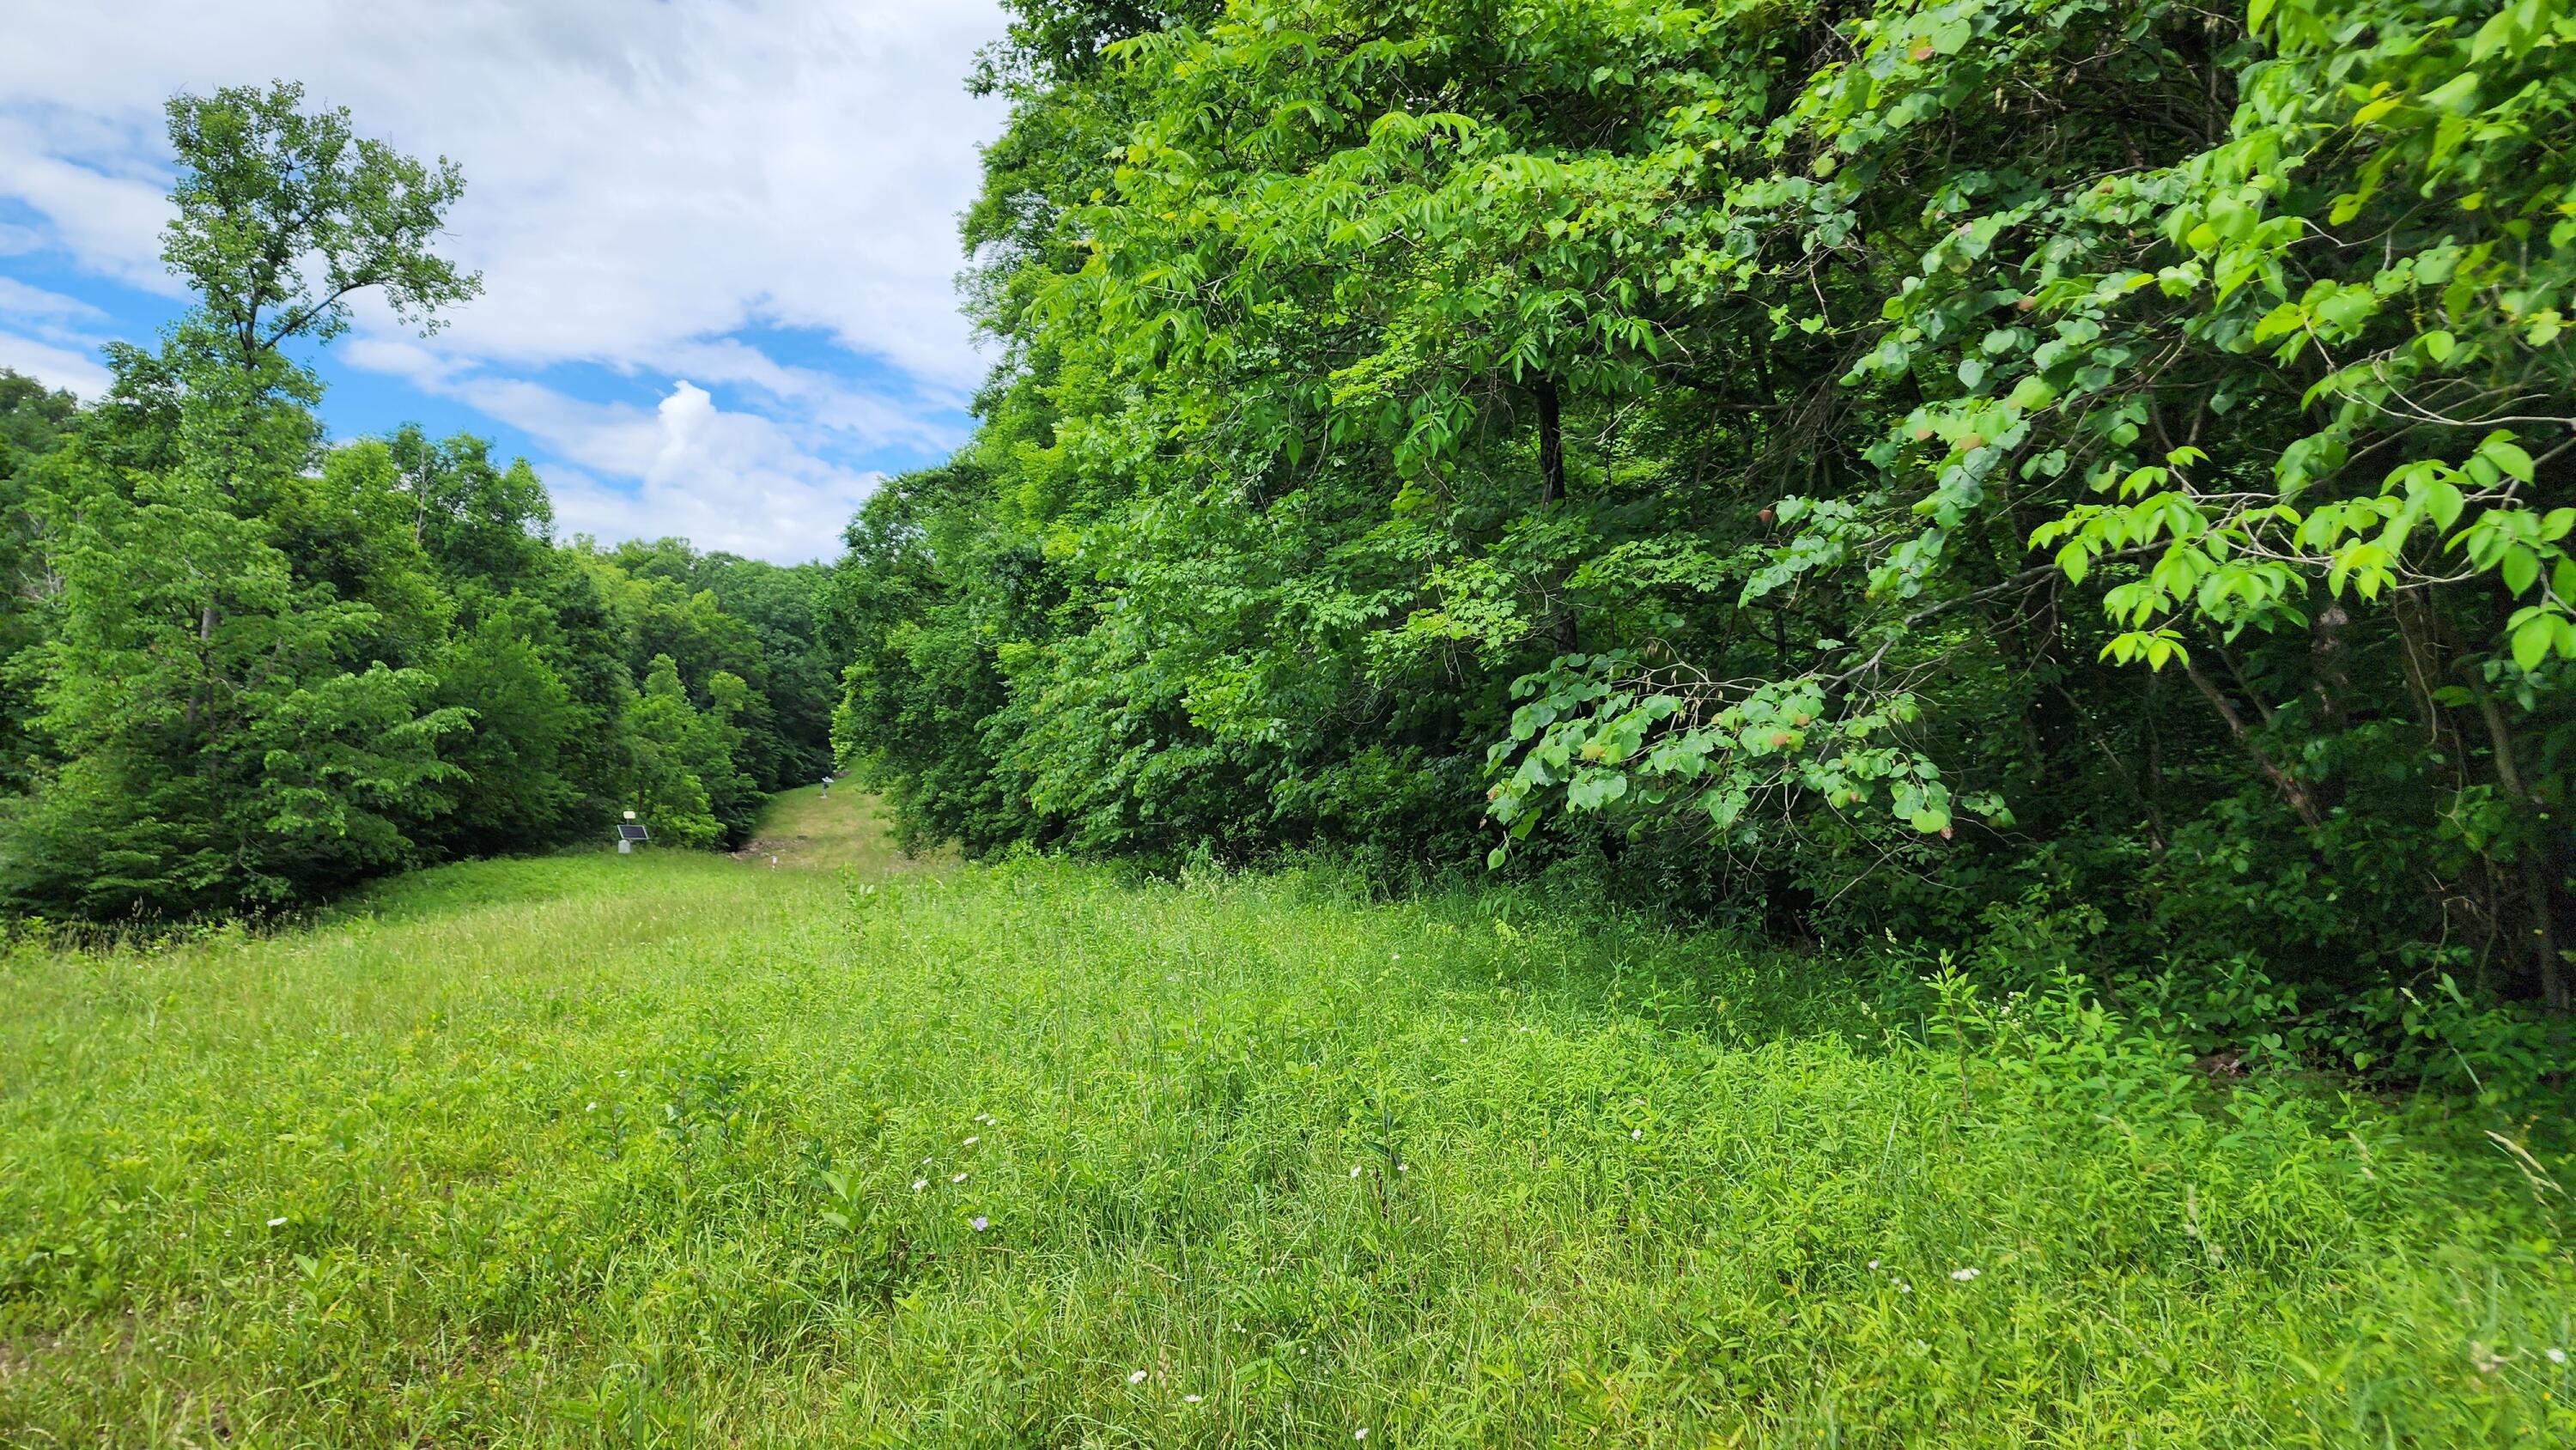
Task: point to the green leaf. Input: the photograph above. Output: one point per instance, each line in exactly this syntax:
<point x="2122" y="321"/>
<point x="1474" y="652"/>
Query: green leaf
<point x="2500" y="450"/>
<point x="2442" y="502"/>
<point x="2531" y="643"/>
<point x="2521" y="569"/>
<point x="2458" y="94"/>
<point x="2030" y="395"/>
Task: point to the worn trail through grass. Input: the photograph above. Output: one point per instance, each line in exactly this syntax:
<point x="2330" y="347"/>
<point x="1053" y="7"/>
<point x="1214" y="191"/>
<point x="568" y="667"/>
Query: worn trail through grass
<point x="678" y="1150"/>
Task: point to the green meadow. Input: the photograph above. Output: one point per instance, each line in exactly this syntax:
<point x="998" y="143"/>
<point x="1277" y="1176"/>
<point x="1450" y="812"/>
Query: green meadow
<point x="690" y="1150"/>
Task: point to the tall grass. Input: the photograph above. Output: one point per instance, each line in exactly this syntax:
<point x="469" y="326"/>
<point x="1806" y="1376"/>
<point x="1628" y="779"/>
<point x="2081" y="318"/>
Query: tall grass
<point x="675" y="1151"/>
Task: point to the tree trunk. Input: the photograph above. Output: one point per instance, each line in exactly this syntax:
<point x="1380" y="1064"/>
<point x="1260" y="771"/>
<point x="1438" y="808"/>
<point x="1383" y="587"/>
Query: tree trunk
<point x="2291" y="791"/>
<point x="1551" y="487"/>
<point x="2328" y="675"/>
<point x="1551" y="444"/>
<point x="2536" y="861"/>
<point x="205" y="661"/>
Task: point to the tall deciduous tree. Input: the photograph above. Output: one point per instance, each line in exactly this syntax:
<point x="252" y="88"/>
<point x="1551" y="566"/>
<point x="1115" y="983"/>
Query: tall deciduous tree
<point x="285" y="214"/>
<point x="227" y="729"/>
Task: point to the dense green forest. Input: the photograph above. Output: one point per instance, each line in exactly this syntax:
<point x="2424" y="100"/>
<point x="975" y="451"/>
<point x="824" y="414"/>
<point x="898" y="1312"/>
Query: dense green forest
<point x="2076" y="487"/>
<point x="247" y="665"/>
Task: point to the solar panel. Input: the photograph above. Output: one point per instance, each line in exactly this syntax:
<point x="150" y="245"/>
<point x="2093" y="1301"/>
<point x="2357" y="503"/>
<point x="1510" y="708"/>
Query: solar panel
<point x="632" y="832"/>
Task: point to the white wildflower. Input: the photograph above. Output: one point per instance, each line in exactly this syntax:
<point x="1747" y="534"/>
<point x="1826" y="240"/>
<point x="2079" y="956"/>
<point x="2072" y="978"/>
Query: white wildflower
<point x="1137" y="1378"/>
<point x="1964" y="1275"/>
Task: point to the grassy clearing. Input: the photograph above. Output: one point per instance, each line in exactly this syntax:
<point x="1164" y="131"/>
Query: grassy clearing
<point x="674" y="1150"/>
<point x="809" y="830"/>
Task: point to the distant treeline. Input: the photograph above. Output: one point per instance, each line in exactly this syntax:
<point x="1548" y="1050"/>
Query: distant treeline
<point x="2083" y="487"/>
<point x="246" y="667"/>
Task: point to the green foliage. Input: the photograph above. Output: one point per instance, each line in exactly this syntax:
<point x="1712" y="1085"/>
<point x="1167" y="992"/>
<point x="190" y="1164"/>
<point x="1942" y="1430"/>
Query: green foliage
<point x="683" y="779"/>
<point x="243" y="670"/>
<point x="757" y="620"/>
<point x="32" y="422"/>
<point x="525" y="749"/>
<point x="223" y="735"/>
<point x="671" y="1149"/>
<point x="285" y="214"/>
<point x="1846" y="469"/>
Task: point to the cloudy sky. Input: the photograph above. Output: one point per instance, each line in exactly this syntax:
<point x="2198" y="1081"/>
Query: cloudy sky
<point x="717" y="237"/>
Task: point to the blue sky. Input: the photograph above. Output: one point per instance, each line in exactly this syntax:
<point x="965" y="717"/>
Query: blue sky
<point x="718" y="237"/>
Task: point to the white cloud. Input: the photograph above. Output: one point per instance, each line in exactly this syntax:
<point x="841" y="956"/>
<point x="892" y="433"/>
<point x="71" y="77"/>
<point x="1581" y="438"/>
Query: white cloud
<point x="43" y="337"/>
<point x="100" y="193"/>
<point x="724" y="480"/>
<point x="900" y="417"/>
<point x="21" y="301"/>
<point x="643" y="180"/>
<point x="54" y="366"/>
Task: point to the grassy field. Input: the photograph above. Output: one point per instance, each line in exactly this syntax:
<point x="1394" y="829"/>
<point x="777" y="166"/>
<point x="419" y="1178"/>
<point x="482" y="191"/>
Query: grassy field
<point x="681" y="1150"/>
<point x="808" y="830"/>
